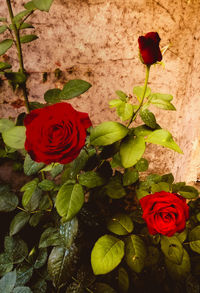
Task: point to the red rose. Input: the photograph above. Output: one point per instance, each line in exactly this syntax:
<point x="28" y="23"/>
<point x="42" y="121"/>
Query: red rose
<point x="164" y="213"/>
<point x="55" y="133"/>
<point x="149" y="48"/>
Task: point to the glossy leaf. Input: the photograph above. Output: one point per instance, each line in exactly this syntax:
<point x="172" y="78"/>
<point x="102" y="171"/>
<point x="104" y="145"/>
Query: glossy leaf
<point x="131" y="150"/>
<point x="142" y="165"/>
<point x="16" y="248"/>
<point x="62" y="264"/>
<point x="148" y="118"/>
<point x="194" y="239"/>
<point x="120" y="224"/>
<point x="91" y="179"/>
<point x="41" y="258"/>
<point x="123" y="280"/>
<point x="40" y="286"/>
<point x="169" y="178"/>
<point x="115" y="103"/>
<point x="31" y="167"/>
<point x="188" y="192"/>
<point x="135" y="253"/>
<point x="121" y="95"/>
<point x="3" y="66"/>
<point x="5" y="45"/>
<point x="19" y="16"/>
<point x="125" y="111"/>
<point x="162" y="101"/>
<point x="138" y="91"/>
<point x="15" y="137"/>
<point x="3" y="28"/>
<point x="130" y="176"/>
<point x="28" y="38"/>
<point x="22" y="289"/>
<point x="179" y="271"/>
<point x="18" y="222"/>
<point x="24" y="274"/>
<point x="140" y="193"/>
<point x="46" y="185"/>
<point x="106" y="254"/>
<point x="30" y="6"/>
<point x="69" y="200"/>
<point x="74" y="88"/>
<point x="6" y="264"/>
<point x="26" y="25"/>
<point x="164" y="138"/>
<point x="7" y="282"/>
<point x="50" y="237"/>
<point x="107" y="133"/>
<point x="8" y="200"/>
<point x="161" y="186"/>
<point x="52" y="96"/>
<point x="142" y="130"/>
<point x="68" y="232"/>
<point x="114" y="188"/>
<point x="172" y="249"/>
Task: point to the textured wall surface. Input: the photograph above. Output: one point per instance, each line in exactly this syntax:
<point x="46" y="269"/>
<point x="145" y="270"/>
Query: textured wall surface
<point x="96" y="40"/>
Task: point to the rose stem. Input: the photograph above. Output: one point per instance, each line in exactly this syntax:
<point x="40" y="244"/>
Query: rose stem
<point x="143" y="95"/>
<point x="20" y="56"/>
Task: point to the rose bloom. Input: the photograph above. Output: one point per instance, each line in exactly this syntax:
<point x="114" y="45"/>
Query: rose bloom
<point x="149" y="48"/>
<point x="55" y="133"/>
<point x="165" y="213"/>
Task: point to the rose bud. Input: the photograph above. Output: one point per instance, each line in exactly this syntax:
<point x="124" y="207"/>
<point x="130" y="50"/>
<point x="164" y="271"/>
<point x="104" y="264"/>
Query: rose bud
<point x="149" y="48"/>
<point x="165" y="213"/>
<point x="55" y="133"/>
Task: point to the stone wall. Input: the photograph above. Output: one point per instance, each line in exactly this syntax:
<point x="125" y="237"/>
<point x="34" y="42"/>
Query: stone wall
<point x="96" y="40"/>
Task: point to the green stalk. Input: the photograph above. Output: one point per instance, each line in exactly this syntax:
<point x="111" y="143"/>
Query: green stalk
<point x="20" y="56"/>
<point x="143" y="95"/>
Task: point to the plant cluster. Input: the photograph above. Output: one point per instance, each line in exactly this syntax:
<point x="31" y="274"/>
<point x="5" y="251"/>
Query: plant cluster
<point x="88" y="220"/>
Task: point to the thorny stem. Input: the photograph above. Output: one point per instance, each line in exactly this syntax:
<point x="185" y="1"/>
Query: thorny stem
<point x="20" y="56"/>
<point x="143" y="95"/>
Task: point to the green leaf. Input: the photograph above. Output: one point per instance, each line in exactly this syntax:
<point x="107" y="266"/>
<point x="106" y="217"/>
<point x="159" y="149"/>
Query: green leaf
<point x="36" y="218"/>
<point x="40" y="286"/>
<point x="8" y="200"/>
<point x="24" y="274"/>
<point x="142" y="165"/>
<point x="30" y="6"/>
<point x="91" y="179"/>
<point x="161" y="186"/>
<point x="50" y="237"/>
<point x="6" y="264"/>
<point x="148" y="118"/>
<point x="142" y="130"/>
<point x="120" y="224"/>
<point x="28" y="38"/>
<point x="3" y="66"/>
<point x="182" y="236"/>
<point x="115" y="103"/>
<point x="125" y="111"/>
<point x="43" y="5"/>
<point x="3" y="19"/>
<point x="29" y="189"/>
<point x="16" y="77"/>
<point x="3" y="28"/>
<point x="19" y="16"/>
<point x="46" y="185"/>
<point x="22" y="289"/>
<point x="153" y="256"/>
<point x="52" y="96"/>
<point x="69" y="200"/>
<point x="31" y="167"/>
<point x="25" y="25"/>
<point x="135" y="253"/>
<point x="162" y="101"/>
<point x="68" y="232"/>
<point x="172" y="249"/>
<point x="138" y="91"/>
<point x="164" y="138"/>
<point x="5" y="45"/>
<point x="56" y="170"/>
<point x="106" y="254"/>
<point x="121" y="95"/>
<point x="7" y="283"/>
<point x="131" y="150"/>
<point x="16" y="248"/>
<point x="194" y="239"/>
<point x="179" y="271"/>
<point x="140" y="193"/>
<point x="169" y="178"/>
<point x="18" y="222"/>
<point x="130" y="176"/>
<point x="177" y="186"/>
<point x="74" y="88"/>
<point x="62" y="264"/>
<point x="41" y="258"/>
<point x="15" y="137"/>
<point x="153" y="178"/>
<point x="123" y="280"/>
<point x="107" y="133"/>
<point x="114" y="188"/>
<point x="188" y="192"/>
